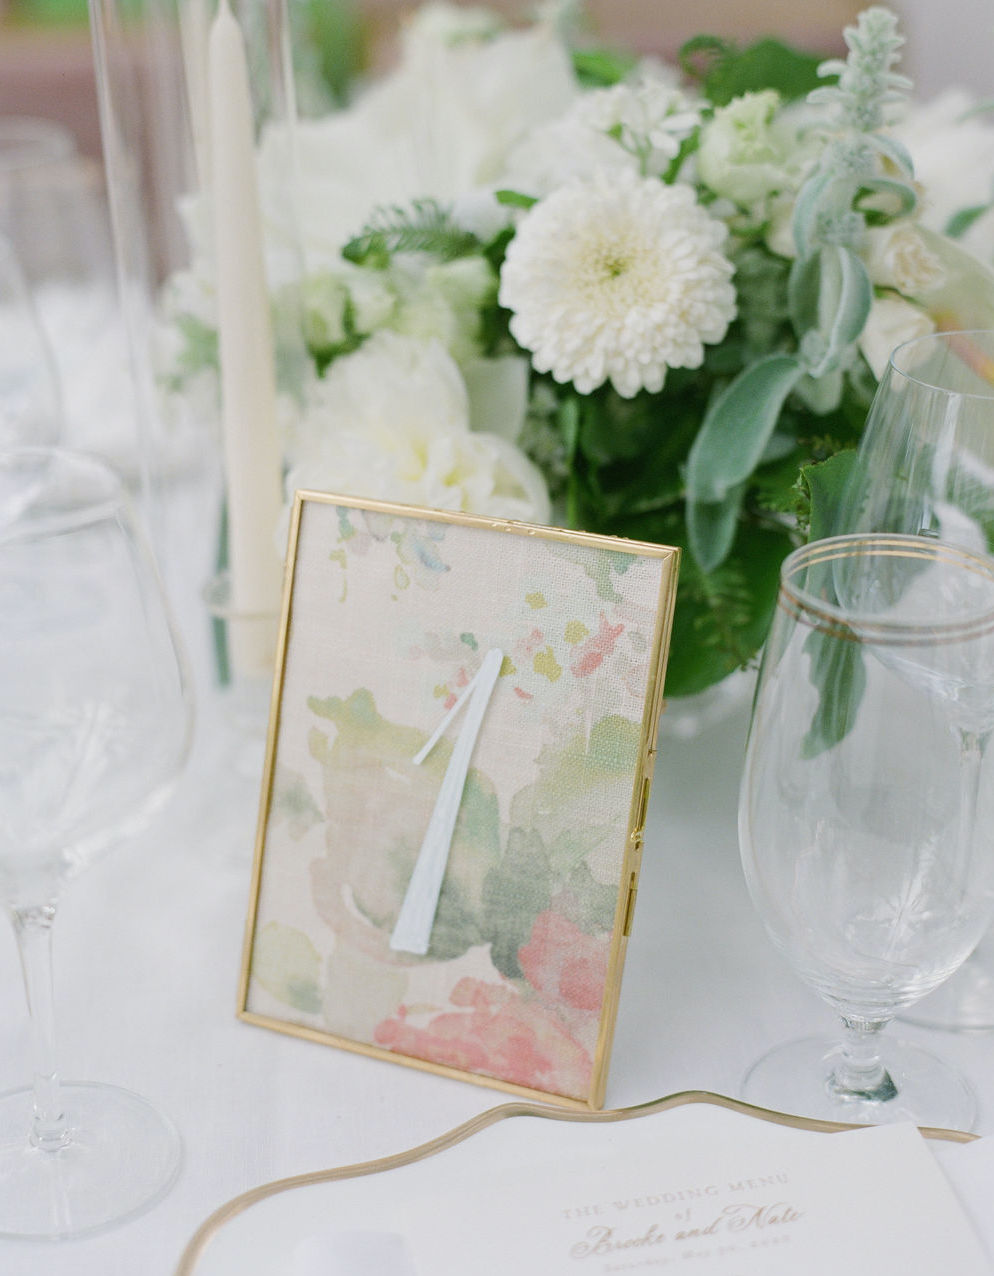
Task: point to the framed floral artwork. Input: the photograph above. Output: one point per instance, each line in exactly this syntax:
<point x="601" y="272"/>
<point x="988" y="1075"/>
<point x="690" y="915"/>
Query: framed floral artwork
<point x="461" y="742"/>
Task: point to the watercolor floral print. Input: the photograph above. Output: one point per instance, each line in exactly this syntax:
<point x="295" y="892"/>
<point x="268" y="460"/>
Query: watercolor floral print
<point x="391" y="617"/>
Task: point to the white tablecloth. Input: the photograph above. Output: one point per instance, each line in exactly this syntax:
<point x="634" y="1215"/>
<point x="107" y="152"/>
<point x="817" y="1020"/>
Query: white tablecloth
<point x="148" y="948"/>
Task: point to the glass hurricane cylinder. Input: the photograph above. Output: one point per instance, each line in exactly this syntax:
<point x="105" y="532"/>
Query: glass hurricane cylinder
<point x="206" y="255"/>
<point x="54" y="217"/>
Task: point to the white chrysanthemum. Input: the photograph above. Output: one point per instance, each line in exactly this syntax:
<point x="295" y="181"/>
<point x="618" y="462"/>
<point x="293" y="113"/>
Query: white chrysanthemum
<point x="617" y="278"/>
<point x="391" y="421"/>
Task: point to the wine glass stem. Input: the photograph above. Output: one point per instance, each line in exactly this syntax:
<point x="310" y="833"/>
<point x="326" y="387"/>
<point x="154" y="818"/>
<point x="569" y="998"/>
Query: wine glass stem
<point x="860" y="1073"/>
<point x="33" y="928"/>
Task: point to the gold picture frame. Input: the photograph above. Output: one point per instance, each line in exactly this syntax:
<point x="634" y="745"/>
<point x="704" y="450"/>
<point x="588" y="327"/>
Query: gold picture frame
<point x="461" y="743"/>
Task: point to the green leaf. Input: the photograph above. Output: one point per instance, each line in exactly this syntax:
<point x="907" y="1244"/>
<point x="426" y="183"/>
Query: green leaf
<point x="957" y="226"/>
<point x="515" y="199"/>
<point x="895" y="151"/>
<point x="711" y="527"/>
<point x="729" y="446"/>
<point x="726" y="72"/>
<point x="721" y="619"/>
<point x="826" y="482"/>
<point x="900" y="199"/>
<point x="812" y="198"/>
<point x="738" y="425"/>
<point x="830" y="298"/>
<point x="600" y="68"/>
<point x="838" y="675"/>
<point x="425" y="227"/>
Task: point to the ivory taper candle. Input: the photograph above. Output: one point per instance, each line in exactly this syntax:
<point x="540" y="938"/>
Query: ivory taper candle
<point x="248" y="389"/>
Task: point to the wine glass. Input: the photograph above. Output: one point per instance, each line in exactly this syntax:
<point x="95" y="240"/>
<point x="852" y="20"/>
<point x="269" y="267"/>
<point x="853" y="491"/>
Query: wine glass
<point x="30" y="398"/>
<point x="94" y="728"/>
<point x="865" y="812"/>
<point x="926" y="467"/>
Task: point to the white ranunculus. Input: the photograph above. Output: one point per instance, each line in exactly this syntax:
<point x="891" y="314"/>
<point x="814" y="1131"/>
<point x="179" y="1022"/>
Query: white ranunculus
<point x="747" y="151"/>
<point x="890" y="323"/>
<point x="896" y="256"/>
<point x="391" y="421"/>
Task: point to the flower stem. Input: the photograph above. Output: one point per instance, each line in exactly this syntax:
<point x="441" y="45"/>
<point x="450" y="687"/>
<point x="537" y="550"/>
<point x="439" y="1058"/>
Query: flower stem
<point x="860" y="1074"/>
<point x="33" y="929"/>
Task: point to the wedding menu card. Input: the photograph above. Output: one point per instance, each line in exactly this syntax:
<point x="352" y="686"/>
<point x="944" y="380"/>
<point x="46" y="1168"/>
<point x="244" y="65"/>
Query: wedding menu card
<point x="691" y="1187"/>
<point x="864" y="1203"/>
<point x="706" y="1191"/>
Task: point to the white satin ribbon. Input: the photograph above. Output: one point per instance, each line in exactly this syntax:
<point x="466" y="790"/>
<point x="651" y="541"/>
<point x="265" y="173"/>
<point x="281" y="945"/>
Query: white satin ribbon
<point x="412" y="933"/>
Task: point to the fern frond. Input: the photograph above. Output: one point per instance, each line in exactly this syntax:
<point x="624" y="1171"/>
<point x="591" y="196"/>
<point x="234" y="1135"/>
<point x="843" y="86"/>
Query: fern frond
<point x="424" y="227"/>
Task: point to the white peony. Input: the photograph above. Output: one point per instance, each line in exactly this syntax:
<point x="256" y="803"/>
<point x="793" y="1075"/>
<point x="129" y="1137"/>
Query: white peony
<point x="617" y="278"/>
<point x="440" y="126"/>
<point x="391" y="421"/>
<point x="892" y="321"/>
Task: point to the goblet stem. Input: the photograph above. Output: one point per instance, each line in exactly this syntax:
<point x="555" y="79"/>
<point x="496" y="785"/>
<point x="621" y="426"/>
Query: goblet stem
<point x="860" y="1073"/>
<point x="971" y="757"/>
<point x="33" y="928"/>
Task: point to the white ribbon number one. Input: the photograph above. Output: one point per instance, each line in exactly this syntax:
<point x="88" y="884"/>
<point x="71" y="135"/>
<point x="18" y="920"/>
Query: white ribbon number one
<point x="412" y="933"/>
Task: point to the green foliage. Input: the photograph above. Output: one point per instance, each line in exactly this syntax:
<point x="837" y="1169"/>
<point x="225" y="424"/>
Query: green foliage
<point x="199" y="348"/>
<point x="727" y="449"/>
<point x="824" y="484"/>
<point x="425" y="227"/>
<point x="722" y="617"/>
<point x="724" y="71"/>
<point x="838" y="675"/>
<point x="600" y="68"/>
<point x="331" y="34"/>
<point x="514" y="199"/>
<point x="960" y="222"/>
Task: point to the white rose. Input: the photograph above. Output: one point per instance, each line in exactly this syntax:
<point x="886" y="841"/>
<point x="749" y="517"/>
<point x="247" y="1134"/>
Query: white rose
<point x="896" y="257"/>
<point x="891" y="322"/>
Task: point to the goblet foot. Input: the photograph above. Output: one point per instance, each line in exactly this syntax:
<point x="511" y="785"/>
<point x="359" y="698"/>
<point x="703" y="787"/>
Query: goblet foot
<point x="964" y="1003"/>
<point x="121" y="1156"/>
<point x="799" y="1078"/>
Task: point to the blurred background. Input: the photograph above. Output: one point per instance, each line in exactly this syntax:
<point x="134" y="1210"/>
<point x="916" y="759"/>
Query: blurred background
<point x="46" y="64"/>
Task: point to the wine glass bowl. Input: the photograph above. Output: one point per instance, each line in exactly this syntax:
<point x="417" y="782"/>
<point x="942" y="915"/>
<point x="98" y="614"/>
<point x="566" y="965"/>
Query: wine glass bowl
<point x="926" y="458"/>
<point x="925" y="467"/>
<point x="94" y="728"/>
<point x="865" y="821"/>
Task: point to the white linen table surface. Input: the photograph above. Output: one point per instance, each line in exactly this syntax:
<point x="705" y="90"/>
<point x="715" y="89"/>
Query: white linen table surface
<point x="148" y="949"/>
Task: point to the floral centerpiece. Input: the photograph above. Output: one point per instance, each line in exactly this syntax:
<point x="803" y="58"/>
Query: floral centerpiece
<point x="549" y="283"/>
